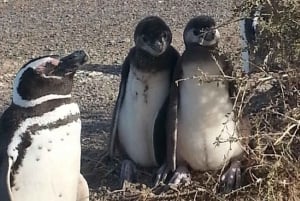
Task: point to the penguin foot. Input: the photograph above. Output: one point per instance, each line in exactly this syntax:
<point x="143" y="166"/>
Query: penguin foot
<point x="181" y="176"/>
<point x="128" y="172"/>
<point x="161" y="175"/>
<point x="231" y="179"/>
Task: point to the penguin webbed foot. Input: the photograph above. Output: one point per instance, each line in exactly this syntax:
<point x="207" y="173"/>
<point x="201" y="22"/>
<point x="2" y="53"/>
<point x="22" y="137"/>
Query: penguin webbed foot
<point x="172" y="179"/>
<point x="162" y="174"/>
<point x="128" y="173"/>
<point x="181" y="175"/>
<point x="165" y="175"/>
<point x="231" y="179"/>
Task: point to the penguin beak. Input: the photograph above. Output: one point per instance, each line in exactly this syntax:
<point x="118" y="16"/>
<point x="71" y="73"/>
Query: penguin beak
<point x="69" y="64"/>
<point x="159" y="47"/>
<point x="210" y="35"/>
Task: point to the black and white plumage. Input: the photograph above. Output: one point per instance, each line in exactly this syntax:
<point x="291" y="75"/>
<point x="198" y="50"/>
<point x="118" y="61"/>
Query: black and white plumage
<point x="201" y="128"/>
<point x="248" y="29"/>
<point x="40" y="134"/>
<point x="140" y="111"/>
<point x="251" y="24"/>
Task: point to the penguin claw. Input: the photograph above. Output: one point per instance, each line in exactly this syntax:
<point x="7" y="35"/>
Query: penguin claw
<point x="128" y="172"/>
<point x="161" y="175"/>
<point x="180" y="176"/>
<point x="231" y="179"/>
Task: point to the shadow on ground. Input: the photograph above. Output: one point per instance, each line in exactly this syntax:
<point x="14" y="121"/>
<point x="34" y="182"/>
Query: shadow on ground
<point x="106" y="69"/>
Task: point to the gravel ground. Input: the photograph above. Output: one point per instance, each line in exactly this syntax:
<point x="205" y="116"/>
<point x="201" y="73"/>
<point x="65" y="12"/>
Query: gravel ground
<point x="103" y="28"/>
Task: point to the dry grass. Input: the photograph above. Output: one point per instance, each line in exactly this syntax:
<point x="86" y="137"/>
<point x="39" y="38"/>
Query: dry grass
<point x="270" y="96"/>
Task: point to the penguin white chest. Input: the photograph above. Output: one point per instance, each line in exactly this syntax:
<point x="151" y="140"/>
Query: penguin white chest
<point x="50" y="168"/>
<point x="145" y="94"/>
<point x="207" y="137"/>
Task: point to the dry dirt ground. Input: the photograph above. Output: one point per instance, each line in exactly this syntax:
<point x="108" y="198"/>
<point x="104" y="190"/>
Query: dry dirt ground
<point x="103" y="28"/>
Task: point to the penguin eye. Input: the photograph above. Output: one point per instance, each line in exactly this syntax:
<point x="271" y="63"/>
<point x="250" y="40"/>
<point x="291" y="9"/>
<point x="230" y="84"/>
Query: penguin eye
<point x="205" y="30"/>
<point x="145" y="39"/>
<point x="46" y="68"/>
<point x="196" y="32"/>
<point x="164" y="35"/>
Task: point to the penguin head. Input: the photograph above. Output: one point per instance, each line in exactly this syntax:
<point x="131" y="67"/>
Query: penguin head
<point x="46" y="78"/>
<point x="152" y="35"/>
<point x="201" y="31"/>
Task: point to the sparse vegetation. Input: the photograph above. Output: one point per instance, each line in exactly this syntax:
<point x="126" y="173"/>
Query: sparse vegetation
<point x="274" y="102"/>
<point x="270" y="96"/>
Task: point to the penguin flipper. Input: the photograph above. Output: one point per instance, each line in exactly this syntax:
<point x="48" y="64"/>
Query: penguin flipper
<point x="244" y="126"/>
<point x="116" y="112"/>
<point x="5" y="167"/>
<point x="5" y="162"/>
<point x="172" y="118"/>
<point x="160" y="127"/>
<point x="159" y="134"/>
<point x="228" y="71"/>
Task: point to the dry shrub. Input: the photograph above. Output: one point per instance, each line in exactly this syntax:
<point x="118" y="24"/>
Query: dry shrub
<point x="270" y="96"/>
<point x="272" y="100"/>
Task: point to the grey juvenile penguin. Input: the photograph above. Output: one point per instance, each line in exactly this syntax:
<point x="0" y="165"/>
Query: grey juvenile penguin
<point x="140" y="111"/>
<point x="40" y="134"/>
<point x="203" y="134"/>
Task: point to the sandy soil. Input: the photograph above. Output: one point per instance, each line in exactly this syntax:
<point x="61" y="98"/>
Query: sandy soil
<point x="103" y="28"/>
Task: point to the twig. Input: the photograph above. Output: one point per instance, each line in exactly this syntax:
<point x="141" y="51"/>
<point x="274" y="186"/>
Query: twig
<point x="288" y="117"/>
<point x="287" y="131"/>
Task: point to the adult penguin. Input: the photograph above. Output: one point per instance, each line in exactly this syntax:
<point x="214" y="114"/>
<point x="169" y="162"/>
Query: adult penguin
<point x="40" y="134"/>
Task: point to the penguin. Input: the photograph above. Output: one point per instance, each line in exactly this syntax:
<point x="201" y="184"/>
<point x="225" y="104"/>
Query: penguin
<point x="248" y="33"/>
<point x="40" y="134"/>
<point x="250" y="29"/>
<point x="139" y="118"/>
<point x="201" y="127"/>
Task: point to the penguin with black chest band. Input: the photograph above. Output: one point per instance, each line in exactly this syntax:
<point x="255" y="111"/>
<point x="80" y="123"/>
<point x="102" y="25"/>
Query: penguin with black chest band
<point x="202" y="131"/>
<point x="40" y="134"/>
<point x="139" y="116"/>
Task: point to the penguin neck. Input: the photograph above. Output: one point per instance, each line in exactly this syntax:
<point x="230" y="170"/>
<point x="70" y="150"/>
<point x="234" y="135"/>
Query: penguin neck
<point x="205" y="51"/>
<point x="19" y="101"/>
<point x="196" y="52"/>
<point x="44" y="107"/>
<point x="197" y="47"/>
<point x="149" y="63"/>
